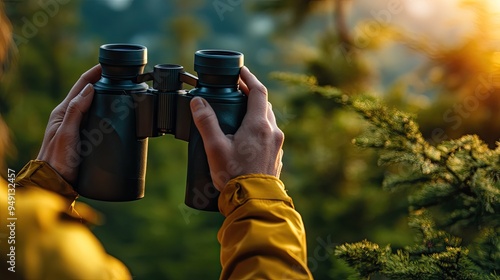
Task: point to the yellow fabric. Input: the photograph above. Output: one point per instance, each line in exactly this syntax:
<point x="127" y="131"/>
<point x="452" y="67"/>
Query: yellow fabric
<point x="262" y="237"/>
<point x="50" y="241"/>
<point x="41" y="174"/>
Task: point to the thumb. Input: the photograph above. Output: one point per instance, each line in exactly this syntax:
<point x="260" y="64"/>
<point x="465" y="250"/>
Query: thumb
<point x="205" y="119"/>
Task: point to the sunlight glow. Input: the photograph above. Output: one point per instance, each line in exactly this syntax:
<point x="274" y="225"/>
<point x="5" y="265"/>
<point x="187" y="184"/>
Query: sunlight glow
<point x="419" y="8"/>
<point x="495" y="5"/>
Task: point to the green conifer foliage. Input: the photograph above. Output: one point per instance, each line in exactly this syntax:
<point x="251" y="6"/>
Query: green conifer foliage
<point x="454" y="196"/>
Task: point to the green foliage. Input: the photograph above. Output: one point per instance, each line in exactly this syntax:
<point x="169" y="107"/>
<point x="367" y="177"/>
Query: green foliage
<point x="457" y="179"/>
<point x="455" y="182"/>
<point x="436" y="255"/>
<point x="334" y="184"/>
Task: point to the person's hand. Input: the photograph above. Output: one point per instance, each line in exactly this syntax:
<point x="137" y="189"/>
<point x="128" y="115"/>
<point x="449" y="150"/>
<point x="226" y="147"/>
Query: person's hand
<point x="63" y="129"/>
<point x="254" y="149"/>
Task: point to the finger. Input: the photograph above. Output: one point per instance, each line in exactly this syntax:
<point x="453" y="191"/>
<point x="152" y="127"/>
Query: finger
<point x="90" y="77"/>
<point x="243" y="87"/>
<point x="270" y="115"/>
<point x="57" y="115"/>
<point x="257" y="96"/>
<point x="75" y="111"/>
<point x="206" y="121"/>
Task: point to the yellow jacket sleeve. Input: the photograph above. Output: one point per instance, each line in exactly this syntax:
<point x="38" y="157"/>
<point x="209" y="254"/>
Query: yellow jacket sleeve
<point x="41" y="174"/>
<point x="262" y="237"/>
<point x="45" y="240"/>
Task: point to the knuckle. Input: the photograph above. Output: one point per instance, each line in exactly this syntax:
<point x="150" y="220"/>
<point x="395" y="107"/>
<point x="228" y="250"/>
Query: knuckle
<point x="261" y="126"/>
<point x="260" y="89"/>
<point x="73" y="107"/>
<point x="56" y="112"/>
<point x="268" y="133"/>
<point x="279" y="137"/>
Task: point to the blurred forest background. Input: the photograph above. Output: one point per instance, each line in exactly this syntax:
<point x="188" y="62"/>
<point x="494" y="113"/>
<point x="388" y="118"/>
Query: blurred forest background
<point x="439" y="60"/>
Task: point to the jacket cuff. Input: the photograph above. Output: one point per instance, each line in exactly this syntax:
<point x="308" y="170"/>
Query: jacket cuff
<point x="254" y="186"/>
<point x="41" y="174"/>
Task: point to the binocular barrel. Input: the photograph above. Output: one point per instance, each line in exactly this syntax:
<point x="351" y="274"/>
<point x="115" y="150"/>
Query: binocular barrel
<point x="125" y="112"/>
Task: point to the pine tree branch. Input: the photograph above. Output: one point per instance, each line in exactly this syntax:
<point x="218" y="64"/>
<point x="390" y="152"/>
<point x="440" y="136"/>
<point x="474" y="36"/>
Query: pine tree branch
<point x="458" y="177"/>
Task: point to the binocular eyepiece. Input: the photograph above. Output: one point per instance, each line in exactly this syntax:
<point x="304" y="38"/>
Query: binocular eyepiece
<point x="125" y="112"/>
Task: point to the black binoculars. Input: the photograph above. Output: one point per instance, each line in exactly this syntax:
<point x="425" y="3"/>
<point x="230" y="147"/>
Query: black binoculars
<point x="125" y="112"/>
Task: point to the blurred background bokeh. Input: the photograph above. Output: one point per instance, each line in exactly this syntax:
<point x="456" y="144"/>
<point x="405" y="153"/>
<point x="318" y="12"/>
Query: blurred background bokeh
<point x="437" y="59"/>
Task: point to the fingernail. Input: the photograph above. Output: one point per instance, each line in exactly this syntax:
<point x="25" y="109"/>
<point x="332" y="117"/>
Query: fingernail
<point x="86" y="90"/>
<point x="197" y="104"/>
